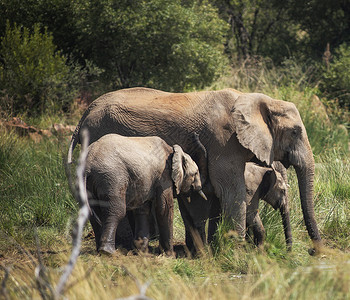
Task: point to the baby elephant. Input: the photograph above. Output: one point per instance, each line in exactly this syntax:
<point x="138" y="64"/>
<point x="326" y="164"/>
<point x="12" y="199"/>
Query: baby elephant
<point x="130" y="173"/>
<point x="269" y="184"/>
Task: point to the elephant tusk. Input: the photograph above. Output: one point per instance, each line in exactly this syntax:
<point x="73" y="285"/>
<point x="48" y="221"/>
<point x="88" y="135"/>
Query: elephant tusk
<point x="188" y="199"/>
<point x="202" y="195"/>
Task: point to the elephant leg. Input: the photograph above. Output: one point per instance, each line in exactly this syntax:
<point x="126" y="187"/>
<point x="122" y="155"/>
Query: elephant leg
<point x="227" y="178"/>
<point x="95" y="223"/>
<point x="194" y="216"/>
<point x="258" y="231"/>
<point x="165" y="216"/>
<point x="226" y="172"/>
<point x="112" y="216"/>
<point x="96" y="227"/>
<point x="255" y="230"/>
<point x="142" y="226"/>
<point x="188" y="222"/>
<point x="152" y="221"/>
<point x="214" y="218"/>
<point x="125" y="232"/>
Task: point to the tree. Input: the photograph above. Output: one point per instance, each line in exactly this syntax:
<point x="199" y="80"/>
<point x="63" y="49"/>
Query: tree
<point x="336" y="78"/>
<point x="258" y="28"/>
<point x="173" y="45"/>
<point x="320" y="22"/>
<point x="158" y="43"/>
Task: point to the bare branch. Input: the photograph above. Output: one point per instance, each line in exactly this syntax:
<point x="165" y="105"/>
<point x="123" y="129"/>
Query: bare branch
<point x="81" y="197"/>
<point x="41" y="278"/>
<point x="15" y="243"/>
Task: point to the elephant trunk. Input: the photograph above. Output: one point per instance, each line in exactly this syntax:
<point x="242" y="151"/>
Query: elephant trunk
<point x="284" y="210"/>
<point x="199" y="155"/>
<point x="305" y="172"/>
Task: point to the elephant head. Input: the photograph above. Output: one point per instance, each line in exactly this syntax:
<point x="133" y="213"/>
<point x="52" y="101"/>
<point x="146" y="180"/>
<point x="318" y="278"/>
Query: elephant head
<point x="273" y="131"/>
<point x="277" y="191"/>
<point x="185" y="173"/>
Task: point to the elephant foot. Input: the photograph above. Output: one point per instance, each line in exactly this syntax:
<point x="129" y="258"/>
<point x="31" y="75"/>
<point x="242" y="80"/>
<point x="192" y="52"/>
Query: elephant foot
<point x="107" y="249"/>
<point x="317" y="249"/>
<point x="170" y="253"/>
<point x="141" y="244"/>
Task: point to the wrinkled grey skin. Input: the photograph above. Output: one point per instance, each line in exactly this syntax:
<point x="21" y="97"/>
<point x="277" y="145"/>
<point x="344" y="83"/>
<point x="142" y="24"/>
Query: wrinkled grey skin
<point x="234" y="127"/>
<point x="269" y="184"/>
<point x="128" y="173"/>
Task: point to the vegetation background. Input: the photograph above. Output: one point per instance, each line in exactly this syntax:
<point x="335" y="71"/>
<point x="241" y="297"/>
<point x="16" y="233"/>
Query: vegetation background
<point x="56" y="55"/>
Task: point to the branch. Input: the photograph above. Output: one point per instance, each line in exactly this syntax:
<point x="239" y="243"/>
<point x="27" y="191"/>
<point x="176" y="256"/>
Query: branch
<point x="81" y="197"/>
<point x="41" y="278"/>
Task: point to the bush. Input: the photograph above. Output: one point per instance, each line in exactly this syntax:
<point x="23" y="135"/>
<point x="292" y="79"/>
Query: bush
<point x="336" y="79"/>
<point x="33" y="74"/>
<point x="170" y="45"/>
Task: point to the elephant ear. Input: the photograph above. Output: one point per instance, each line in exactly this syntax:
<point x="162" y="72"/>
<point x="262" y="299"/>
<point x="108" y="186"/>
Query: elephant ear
<point x="252" y="120"/>
<point x="177" y="174"/>
<point x="272" y="178"/>
<point x="268" y="181"/>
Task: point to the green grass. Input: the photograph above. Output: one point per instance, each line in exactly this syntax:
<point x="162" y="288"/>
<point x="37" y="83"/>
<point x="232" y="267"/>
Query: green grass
<point x="33" y="185"/>
<point x="34" y="194"/>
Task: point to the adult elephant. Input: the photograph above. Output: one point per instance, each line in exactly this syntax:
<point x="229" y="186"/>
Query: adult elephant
<point x="234" y="128"/>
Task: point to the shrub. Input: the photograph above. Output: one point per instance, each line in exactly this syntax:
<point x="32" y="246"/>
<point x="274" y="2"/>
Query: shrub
<point x="336" y="79"/>
<point x="32" y="73"/>
<point x="171" y="45"/>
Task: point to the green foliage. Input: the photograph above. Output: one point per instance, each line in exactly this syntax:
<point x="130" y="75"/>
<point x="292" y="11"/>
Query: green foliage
<point x="32" y="73"/>
<point x="159" y="43"/>
<point x="280" y="29"/>
<point x="320" y="22"/>
<point x="336" y="78"/>
<point x="258" y="28"/>
<point x="171" y="45"/>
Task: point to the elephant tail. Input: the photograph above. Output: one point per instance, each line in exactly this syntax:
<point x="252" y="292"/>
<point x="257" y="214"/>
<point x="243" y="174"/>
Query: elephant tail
<point x="75" y="136"/>
<point x="74" y="141"/>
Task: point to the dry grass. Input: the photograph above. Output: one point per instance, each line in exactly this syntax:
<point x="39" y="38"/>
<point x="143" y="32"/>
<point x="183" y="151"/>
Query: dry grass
<point x="95" y="277"/>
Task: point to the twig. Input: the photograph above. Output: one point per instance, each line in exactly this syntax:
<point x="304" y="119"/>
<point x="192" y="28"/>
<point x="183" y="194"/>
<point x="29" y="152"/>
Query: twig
<point x="41" y="278"/>
<point x="15" y="243"/>
<point x="81" y="197"/>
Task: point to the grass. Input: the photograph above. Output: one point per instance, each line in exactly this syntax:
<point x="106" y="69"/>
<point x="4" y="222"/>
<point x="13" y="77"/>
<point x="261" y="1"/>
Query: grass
<point x="33" y="185"/>
<point x="34" y="194"/>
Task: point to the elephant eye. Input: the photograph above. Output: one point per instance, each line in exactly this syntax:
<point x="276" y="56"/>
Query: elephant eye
<point x="296" y="130"/>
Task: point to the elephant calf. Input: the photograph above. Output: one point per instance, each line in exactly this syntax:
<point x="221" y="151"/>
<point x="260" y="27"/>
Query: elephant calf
<point x="131" y="173"/>
<point x="269" y="184"/>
